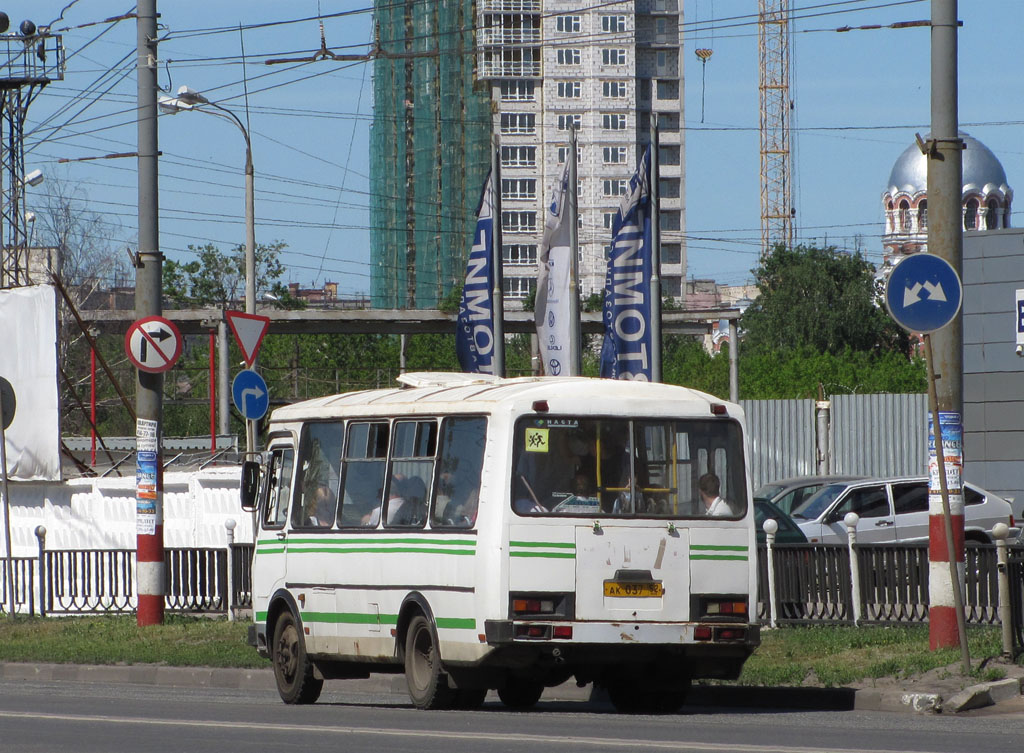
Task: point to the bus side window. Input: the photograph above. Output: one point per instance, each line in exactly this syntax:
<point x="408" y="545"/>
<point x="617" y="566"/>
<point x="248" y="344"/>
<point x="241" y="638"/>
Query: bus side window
<point x="365" y="465"/>
<point x="459" y="465"/>
<point x="279" y="487"/>
<point x="321" y="466"/>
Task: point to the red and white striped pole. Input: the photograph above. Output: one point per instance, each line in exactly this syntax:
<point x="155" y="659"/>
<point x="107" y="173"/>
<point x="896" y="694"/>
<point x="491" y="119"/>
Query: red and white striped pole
<point x="946" y="553"/>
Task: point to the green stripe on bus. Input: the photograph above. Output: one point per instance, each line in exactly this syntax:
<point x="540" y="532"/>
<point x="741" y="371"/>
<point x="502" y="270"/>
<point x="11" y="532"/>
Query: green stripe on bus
<point x="358" y="618"/>
<point x="382" y="540"/>
<point x="545" y="544"/>
<point x="375" y="550"/>
<point x="741" y="557"/>
<point x="718" y="548"/>
<point x="270" y="550"/>
<point x="548" y="555"/>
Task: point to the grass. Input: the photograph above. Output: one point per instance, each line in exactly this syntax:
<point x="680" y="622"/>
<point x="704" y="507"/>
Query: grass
<point x="834" y="656"/>
<point x="831" y="656"/>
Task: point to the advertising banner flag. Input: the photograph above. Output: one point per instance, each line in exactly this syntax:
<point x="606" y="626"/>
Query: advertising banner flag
<point x="553" y="306"/>
<point x="626" y="351"/>
<point x="474" y="333"/>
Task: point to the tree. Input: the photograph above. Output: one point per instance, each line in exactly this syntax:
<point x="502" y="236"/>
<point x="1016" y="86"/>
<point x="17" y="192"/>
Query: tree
<point x="218" y="279"/>
<point x="819" y="299"/>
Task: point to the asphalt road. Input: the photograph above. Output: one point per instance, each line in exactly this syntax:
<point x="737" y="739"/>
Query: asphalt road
<point x="88" y="717"/>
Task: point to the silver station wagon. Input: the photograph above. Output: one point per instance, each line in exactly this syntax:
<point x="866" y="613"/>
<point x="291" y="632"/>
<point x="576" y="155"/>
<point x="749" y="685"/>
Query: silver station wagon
<point x="895" y="510"/>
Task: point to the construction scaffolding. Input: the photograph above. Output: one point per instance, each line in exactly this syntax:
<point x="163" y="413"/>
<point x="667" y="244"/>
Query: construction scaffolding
<point x="29" y="62"/>
<point x="429" y="147"/>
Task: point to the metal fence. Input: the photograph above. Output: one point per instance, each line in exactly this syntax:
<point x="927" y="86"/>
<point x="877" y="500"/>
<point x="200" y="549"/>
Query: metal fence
<point x="102" y="581"/>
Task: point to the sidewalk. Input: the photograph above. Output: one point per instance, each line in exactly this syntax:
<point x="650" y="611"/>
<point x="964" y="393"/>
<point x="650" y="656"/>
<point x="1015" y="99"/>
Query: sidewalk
<point x="942" y="694"/>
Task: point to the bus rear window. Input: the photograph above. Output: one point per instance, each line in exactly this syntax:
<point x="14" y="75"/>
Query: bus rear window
<point x="629" y="468"/>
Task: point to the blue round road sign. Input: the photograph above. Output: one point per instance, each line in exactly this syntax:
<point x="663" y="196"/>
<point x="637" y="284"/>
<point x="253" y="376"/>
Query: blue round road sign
<point x="923" y="293"/>
<point x="250" y="394"/>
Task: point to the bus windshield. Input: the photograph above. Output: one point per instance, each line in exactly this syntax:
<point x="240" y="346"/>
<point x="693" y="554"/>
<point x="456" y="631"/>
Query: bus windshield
<point x="663" y="468"/>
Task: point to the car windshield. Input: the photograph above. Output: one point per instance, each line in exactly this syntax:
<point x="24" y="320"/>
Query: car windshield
<point x="817" y="504"/>
<point x="767" y="491"/>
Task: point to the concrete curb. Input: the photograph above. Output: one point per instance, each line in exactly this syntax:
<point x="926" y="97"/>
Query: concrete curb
<point x="728" y="696"/>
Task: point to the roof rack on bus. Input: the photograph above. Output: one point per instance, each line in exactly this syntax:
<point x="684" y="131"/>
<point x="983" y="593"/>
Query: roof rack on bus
<point x="443" y="379"/>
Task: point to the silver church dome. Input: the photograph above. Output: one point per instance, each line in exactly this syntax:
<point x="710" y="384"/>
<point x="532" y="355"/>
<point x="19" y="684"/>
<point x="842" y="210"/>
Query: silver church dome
<point x="983" y="172"/>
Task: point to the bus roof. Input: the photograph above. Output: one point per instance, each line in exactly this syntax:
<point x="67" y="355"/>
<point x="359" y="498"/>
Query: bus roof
<point x="448" y="392"/>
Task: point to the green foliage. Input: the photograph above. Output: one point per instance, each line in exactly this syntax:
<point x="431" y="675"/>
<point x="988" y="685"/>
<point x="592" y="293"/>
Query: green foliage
<point x="818" y="299"/>
<point x="217" y="279"/>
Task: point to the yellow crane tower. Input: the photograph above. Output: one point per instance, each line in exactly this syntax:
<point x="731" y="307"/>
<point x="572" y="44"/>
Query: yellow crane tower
<point x="777" y="210"/>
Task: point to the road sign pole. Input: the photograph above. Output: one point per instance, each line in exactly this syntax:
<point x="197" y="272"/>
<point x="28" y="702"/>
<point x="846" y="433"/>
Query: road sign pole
<point x="951" y="549"/>
<point x="944" y="154"/>
<point x="151" y="576"/>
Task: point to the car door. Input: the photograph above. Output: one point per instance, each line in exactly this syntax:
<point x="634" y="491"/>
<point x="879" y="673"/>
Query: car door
<point x="910" y="502"/>
<point x="872" y="504"/>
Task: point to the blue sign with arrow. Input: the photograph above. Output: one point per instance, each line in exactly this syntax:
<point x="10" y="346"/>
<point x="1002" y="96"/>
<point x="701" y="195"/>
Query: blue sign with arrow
<point x="923" y="293"/>
<point x="250" y="394"/>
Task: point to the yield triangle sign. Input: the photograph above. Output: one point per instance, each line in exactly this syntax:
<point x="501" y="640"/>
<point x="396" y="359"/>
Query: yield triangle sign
<point x="249" y="330"/>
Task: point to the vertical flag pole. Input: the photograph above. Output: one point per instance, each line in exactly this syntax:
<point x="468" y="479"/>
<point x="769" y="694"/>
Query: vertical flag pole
<point x="497" y="292"/>
<point x="655" y="255"/>
<point x="575" y="342"/>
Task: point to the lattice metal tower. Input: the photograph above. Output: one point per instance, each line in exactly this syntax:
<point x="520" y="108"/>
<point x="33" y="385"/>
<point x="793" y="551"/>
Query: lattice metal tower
<point x="776" y="109"/>
<point x="30" y="60"/>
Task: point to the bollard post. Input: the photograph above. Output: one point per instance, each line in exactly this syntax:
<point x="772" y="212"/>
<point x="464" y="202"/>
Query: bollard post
<point x="1000" y="532"/>
<point x="770" y="527"/>
<point x="850" y="521"/>
<point x="41" y="538"/>
<point x="230" y="524"/>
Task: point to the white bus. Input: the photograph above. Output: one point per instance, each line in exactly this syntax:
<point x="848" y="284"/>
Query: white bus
<point x="482" y="533"/>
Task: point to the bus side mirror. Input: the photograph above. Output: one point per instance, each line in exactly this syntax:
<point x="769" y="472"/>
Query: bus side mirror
<point x="250" y="484"/>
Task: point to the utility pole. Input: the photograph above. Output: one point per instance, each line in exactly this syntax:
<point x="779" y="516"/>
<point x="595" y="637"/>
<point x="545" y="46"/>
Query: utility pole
<point x="776" y="187"/>
<point x="151" y="575"/>
<point x="945" y="239"/>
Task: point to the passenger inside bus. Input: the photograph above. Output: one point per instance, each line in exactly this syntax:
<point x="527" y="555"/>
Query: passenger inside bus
<point x="710" y="490"/>
<point x="406" y="501"/>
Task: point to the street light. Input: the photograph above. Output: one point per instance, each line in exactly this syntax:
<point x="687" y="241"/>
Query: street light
<point x="190" y="99"/>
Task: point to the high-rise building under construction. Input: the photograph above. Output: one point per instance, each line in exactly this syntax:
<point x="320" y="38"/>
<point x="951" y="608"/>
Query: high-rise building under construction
<point x="451" y="72"/>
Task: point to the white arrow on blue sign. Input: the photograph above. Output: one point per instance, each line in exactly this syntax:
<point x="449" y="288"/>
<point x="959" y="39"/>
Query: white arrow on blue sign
<point x="250" y="395"/>
<point x="923" y="293"/>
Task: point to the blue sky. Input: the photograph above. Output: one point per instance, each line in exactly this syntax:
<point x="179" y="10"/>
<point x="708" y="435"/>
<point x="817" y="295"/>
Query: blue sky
<point x="860" y="96"/>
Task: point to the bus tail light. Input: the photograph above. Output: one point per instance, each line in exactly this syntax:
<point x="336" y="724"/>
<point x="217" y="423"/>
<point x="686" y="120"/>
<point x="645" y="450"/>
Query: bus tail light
<point x="563" y="632"/>
<point x="542" y="606"/>
<point x="702" y="633"/>
<point x="733" y="608"/>
<point x="532" y="606"/>
<point x="717" y="409"/>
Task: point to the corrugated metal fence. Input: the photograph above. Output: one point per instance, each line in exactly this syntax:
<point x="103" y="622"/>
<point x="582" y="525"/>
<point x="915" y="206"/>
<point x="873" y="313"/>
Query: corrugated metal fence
<point x="870" y="435"/>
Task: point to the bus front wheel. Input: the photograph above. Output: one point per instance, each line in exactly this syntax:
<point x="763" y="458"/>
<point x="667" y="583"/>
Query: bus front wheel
<point x="424" y="675"/>
<point x="293" y="671"/>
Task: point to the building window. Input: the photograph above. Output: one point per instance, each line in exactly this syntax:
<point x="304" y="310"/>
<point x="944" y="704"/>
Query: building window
<point x="971" y="215"/>
<point x="570" y="89"/>
<point x="518" y="156"/>
<point x="613" y="186"/>
<point x="567" y="121"/>
<point x="518" y="287"/>
<point x="568" y="56"/>
<point x="992" y="215"/>
<point x="563" y="153"/>
<point x="567" y="24"/>
<point x="614" y="89"/>
<point x="609" y="218"/>
<point x="613" y="155"/>
<point x="518" y="188"/>
<point x="522" y="254"/>
<point x="519" y="222"/>
<point x="614" y="56"/>
<point x="668" y="89"/>
<point x="518" y="123"/>
<point x="922" y="215"/>
<point x="517" y="91"/>
<point x="905" y="216"/>
<point x="613" y="121"/>
<point x="613" y="24"/>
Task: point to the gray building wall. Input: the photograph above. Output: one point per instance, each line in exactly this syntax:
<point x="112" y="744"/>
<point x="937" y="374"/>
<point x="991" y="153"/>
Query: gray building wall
<point x="993" y="270"/>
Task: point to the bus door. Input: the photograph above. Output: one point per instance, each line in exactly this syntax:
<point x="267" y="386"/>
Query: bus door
<point x="268" y="562"/>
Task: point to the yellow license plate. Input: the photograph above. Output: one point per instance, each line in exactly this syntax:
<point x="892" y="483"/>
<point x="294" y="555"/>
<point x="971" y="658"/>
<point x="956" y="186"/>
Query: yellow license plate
<point x="628" y="588"/>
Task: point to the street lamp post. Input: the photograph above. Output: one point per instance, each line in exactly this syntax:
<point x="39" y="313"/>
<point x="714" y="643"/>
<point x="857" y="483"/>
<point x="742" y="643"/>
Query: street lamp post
<point x="189" y="99"/>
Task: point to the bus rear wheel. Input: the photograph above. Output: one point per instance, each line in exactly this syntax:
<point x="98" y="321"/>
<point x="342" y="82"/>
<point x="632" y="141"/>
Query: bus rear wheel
<point x="424" y="676"/>
<point x="630" y="698"/>
<point x="293" y="671"/>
